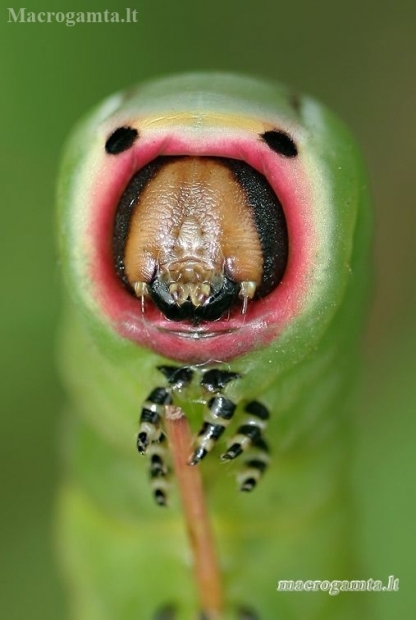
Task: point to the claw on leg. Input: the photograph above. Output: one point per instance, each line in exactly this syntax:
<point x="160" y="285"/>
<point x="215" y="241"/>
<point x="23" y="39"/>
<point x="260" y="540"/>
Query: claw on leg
<point x="247" y="435"/>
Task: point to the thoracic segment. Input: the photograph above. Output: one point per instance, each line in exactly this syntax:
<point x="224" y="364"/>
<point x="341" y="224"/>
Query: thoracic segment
<point x="220" y="410"/>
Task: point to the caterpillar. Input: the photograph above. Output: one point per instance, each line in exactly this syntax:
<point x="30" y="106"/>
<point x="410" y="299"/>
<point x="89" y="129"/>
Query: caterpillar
<point x="213" y="233"/>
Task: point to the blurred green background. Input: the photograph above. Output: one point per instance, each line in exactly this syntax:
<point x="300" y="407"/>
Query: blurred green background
<point x="359" y="58"/>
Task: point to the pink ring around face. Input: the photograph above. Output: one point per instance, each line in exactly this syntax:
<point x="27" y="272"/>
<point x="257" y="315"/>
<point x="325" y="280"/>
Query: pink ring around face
<point x="225" y="338"/>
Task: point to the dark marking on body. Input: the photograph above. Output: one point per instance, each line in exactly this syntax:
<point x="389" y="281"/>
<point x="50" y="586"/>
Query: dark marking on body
<point x="120" y="140"/>
<point x="280" y="142"/>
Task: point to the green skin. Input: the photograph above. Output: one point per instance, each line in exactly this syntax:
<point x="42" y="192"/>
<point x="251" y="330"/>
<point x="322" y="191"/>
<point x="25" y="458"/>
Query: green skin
<point x="123" y="556"/>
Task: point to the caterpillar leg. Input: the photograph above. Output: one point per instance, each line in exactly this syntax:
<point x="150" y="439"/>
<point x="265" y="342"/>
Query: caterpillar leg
<point x="151" y="439"/>
<point x="254" y="467"/>
<point x="249" y="438"/>
<point x="151" y="416"/>
<point x="218" y="415"/>
<point x="154" y="408"/>
<point x="250" y="432"/>
<point x="159" y="470"/>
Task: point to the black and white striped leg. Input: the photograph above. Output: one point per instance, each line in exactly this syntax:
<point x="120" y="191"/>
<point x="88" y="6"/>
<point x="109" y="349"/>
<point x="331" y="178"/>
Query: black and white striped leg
<point x="151" y="439"/>
<point x="154" y="408"/>
<point x="220" y="411"/>
<point x="151" y="416"/>
<point x="219" y="414"/>
<point x="159" y="470"/>
<point x="254" y="466"/>
<point x="249" y="438"/>
<point x="250" y="432"/>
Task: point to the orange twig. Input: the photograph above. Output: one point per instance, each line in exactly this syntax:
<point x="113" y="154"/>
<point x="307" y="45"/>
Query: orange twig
<point x="196" y="517"/>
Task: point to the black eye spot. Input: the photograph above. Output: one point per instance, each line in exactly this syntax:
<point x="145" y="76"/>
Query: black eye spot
<point x="121" y="140"/>
<point x="280" y="142"/>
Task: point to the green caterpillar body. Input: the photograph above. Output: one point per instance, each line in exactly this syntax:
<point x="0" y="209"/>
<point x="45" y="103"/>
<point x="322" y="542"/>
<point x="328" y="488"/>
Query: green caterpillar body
<point x="294" y="350"/>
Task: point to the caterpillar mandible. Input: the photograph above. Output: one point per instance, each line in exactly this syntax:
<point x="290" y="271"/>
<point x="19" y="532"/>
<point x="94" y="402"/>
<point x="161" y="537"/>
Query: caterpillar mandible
<point x="212" y="235"/>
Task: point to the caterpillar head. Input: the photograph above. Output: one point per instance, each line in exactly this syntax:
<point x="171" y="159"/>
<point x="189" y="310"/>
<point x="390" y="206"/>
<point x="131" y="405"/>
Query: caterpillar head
<point x="204" y="225"/>
<point x="200" y="236"/>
